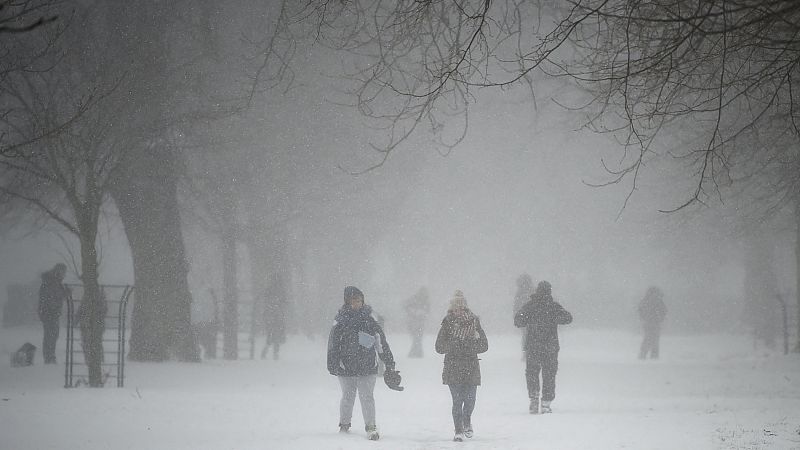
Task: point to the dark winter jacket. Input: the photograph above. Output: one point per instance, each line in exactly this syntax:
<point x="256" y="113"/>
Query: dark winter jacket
<point x="652" y="311"/>
<point x="541" y="317"/>
<point x="354" y="340"/>
<point x="461" y="364"/>
<point x="52" y="294"/>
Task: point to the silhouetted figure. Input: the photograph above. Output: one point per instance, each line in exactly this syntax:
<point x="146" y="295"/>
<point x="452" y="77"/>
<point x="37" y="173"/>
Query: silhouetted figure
<point x="52" y="294"/>
<point x="461" y="338"/>
<point x="275" y="305"/>
<point x="522" y="296"/>
<point x="541" y="317"/>
<point x="417" y="309"/>
<point x="652" y="312"/>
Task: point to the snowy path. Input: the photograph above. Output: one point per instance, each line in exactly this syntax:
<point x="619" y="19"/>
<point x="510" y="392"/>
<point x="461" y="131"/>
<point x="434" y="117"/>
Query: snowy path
<point x="705" y="393"/>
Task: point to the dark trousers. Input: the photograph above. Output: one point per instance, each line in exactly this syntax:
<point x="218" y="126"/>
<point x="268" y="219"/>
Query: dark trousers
<point x="546" y="364"/>
<point x="51" y="330"/>
<point x="463" y="405"/>
<point x="652" y="336"/>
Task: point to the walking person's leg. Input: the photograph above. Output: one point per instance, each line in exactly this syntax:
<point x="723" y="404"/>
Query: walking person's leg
<point x="470" y="393"/>
<point x="51" y="330"/>
<point x="646" y="344"/>
<point x="457" y="392"/>
<point x="549" y="370"/>
<point x="349" y="386"/>
<point x="532" y="369"/>
<point x="366" y="388"/>
<point x="656" y="342"/>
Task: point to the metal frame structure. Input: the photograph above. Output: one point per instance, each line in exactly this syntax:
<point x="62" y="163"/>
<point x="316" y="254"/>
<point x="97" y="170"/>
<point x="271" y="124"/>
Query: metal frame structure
<point x="71" y="379"/>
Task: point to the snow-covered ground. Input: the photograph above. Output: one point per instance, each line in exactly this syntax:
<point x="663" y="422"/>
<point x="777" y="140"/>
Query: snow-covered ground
<point x="706" y="392"/>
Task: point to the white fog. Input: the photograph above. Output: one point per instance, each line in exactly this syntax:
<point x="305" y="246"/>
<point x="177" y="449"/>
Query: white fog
<point x="252" y="173"/>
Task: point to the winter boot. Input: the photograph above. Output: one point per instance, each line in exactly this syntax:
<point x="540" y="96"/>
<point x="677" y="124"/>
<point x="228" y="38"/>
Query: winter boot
<point x="533" y="407"/>
<point x="546" y="408"/>
<point x="468" y="428"/>
<point x="344" y="428"/>
<point x="372" y="432"/>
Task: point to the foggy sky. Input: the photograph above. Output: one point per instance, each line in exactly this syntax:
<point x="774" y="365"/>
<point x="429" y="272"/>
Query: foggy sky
<point x="511" y="198"/>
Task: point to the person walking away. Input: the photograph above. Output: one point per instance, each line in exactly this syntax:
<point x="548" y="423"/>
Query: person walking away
<point x="461" y="338"/>
<point x="52" y="294"/>
<point x="541" y="317"/>
<point x="417" y="308"/>
<point x="354" y="341"/>
<point x="652" y="312"/>
<point x="275" y="306"/>
<point x="522" y="296"/>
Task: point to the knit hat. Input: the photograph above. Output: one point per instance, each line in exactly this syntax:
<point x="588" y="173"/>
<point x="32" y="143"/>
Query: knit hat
<point x="543" y="288"/>
<point x="352" y="292"/>
<point x="458" y="301"/>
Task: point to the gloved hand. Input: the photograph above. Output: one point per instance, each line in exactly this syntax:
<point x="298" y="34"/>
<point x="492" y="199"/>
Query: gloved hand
<point x="392" y="379"/>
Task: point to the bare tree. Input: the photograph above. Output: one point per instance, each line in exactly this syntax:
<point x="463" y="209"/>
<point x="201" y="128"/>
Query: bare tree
<point x="713" y="73"/>
<point x="22" y="16"/>
<point x="64" y="177"/>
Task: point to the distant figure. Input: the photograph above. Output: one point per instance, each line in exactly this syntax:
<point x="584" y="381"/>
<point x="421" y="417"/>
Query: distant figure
<point x="275" y="305"/>
<point x="460" y="339"/>
<point x="541" y="317"/>
<point x="355" y="342"/>
<point x="652" y="312"/>
<point x="522" y="296"/>
<point x="52" y="294"/>
<point x="417" y="308"/>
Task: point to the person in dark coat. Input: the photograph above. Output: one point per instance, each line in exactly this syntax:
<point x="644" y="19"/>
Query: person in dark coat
<point x="461" y="338"/>
<point x="275" y="309"/>
<point x="417" y="308"/>
<point x="541" y="317"/>
<point x="353" y="343"/>
<point x="52" y="294"/>
<point x="652" y="312"/>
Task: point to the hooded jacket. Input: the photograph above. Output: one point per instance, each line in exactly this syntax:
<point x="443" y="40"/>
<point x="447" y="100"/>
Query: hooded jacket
<point x="52" y="294"/>
<point x="353" y="343"/>
<point x="652" y="309"/>
<point x="541" y="317"/>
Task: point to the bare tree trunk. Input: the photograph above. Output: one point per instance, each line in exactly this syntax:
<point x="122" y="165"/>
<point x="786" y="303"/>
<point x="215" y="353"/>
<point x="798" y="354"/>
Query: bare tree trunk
<point x="796" y="348"/>
<point x="148" y="206"/>
<point x="230" y="300"/>
<point x="92" y="310"/>
<point x="93" y="307"/>
<point x="259" y="257"/>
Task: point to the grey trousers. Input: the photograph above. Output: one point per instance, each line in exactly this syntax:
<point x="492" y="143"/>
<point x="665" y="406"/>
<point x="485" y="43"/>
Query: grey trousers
<point x="364" y="386"/>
